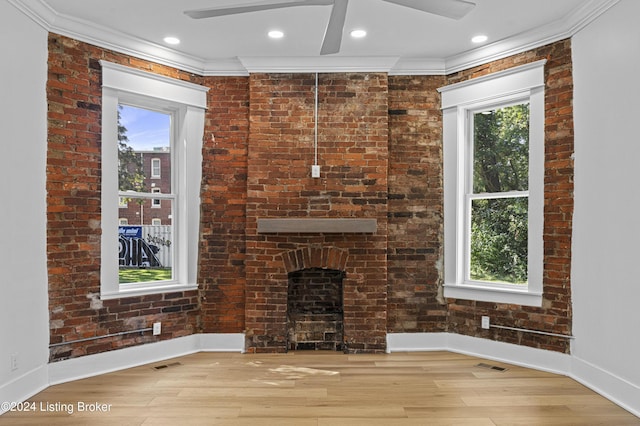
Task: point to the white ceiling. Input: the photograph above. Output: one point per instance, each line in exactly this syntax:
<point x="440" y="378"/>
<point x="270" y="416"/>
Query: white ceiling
<point x="399" y="40"/>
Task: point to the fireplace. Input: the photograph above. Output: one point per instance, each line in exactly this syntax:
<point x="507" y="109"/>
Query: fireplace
<point x="353" y="317"/>
<point x="314" y="310"/>
<point x="335" y="222"/>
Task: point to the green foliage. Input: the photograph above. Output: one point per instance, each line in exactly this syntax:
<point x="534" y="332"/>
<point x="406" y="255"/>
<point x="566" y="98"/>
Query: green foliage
<point x="499" y="225"/>
<point x="130" y="169"/>
<point x="501" y="150"/>
<point x="499" y="240"/>
<point x="137" y="275"/>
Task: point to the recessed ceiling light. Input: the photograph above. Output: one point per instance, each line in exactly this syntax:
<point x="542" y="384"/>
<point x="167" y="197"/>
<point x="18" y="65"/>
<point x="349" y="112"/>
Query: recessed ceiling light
<point x="358" y="33"/>
<point x="275" y="34"/>
<point x="172" y="40"/>
<point x="479" y="38"/>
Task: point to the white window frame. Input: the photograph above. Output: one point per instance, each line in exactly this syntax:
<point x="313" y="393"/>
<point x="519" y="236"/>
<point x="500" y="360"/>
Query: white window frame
<point x="187" y="103"/>
<point x="155" y="161"/>
<point x="516" y="85"/>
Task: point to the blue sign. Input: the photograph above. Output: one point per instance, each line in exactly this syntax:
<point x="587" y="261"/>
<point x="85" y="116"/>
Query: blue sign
<point x="130" y="231"/>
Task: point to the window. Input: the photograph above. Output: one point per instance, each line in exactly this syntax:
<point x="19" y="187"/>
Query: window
<point x="493" y="184"/>
<point x="156" y="202"/>
<point x="496" y="196"/>
<point x="139" y="129"/>
<point x="123" y="221"/>
<point x="131" y="264"/>
<point x="156" y="221"/>
<point x="155" y="168"/>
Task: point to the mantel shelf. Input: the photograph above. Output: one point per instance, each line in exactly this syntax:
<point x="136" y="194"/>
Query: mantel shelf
<point x="317" y="226"/>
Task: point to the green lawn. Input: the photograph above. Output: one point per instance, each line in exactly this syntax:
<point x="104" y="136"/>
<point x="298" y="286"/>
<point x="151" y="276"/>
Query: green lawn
<point x="135" y="275"/>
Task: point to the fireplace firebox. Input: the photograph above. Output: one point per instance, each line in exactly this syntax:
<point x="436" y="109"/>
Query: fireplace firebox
<point x="315" y="310"/>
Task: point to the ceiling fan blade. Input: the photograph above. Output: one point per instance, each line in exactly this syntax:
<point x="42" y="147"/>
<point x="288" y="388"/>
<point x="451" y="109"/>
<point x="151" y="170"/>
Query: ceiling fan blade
<point x="333" y="34"/>
<point x="454" y="9"/>
<point x="254" y="7"/>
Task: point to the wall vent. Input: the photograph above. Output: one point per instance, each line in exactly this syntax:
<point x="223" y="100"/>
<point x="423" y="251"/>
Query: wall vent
<point x="163" y="366"/>
<point x="491" y="367"/>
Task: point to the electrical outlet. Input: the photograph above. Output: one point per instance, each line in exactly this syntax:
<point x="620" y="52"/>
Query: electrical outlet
<point x="157" y="328"/>
<point x="14" y="362"/>
<point x="315" y="171"/>
<point x="485" y="322"/>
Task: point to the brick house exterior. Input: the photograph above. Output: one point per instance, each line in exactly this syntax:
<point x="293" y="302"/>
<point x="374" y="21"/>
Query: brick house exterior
<point x="157" y="178"/>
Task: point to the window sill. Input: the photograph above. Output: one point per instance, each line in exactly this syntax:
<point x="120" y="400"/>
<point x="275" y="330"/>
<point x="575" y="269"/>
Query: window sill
<point x="143" y="291"/>
<point x="497" y="295"/>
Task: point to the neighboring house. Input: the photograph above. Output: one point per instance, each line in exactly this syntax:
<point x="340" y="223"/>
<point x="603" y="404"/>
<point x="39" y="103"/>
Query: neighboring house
<point x="157" y="172"/>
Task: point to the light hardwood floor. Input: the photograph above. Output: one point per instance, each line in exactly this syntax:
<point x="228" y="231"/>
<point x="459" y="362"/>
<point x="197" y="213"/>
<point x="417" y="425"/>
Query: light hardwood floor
<point x="322" y="389"/>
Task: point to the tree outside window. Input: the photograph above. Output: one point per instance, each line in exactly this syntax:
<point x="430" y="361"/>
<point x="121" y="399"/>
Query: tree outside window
<point x="499" y="196"/>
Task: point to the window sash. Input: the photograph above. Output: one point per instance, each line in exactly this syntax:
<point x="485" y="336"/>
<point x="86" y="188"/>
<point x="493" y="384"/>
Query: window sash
<point x="175" y="266"/>
<point x="155" y="198"/>
<point x="469" y="233"/>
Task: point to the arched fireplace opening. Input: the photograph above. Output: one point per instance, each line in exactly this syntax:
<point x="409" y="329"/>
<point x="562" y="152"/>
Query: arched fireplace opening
<point x="315" y="310"/>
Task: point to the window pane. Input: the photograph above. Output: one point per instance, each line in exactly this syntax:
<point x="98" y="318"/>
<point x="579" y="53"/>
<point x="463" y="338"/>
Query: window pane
<point x="155" y="167"/>
<point x="501" y="149"/>
<point x="146" y="253"/>
<point x="499" y="231"/>
<point x="144" y="141"/>
<point x="144" y="149"/>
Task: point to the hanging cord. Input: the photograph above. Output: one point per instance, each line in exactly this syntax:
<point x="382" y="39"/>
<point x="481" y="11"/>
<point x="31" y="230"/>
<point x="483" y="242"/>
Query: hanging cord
<point x="315" y="119"/>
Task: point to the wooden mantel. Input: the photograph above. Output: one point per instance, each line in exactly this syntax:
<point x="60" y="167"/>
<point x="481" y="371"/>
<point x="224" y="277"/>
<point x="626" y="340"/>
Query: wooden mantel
<point x="317" y="225"/>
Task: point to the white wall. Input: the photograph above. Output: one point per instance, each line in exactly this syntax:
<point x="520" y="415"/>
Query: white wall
<point x="23" y="279"/>
<point x="606" y="233"/>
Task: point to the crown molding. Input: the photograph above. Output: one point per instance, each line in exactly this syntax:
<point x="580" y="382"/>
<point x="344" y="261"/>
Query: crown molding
<point x="560" y="29"/>
<point x="224" y="67"/>
<point x="419" y="66"/>
<point x="306" y="64"/>
<point x="104" y="37"/>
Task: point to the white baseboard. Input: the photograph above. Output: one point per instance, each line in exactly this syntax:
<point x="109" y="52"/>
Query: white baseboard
<point x="106" y="362"/>
<point x="414" y="342"/>
<point x="616" y="389"/>
<point x="523" y="356"/>
<point x="232" y="342"/>
<point x="24" y="387"/>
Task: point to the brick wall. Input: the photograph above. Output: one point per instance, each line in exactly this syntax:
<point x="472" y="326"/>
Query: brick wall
<point x="73" y="214"/>
<point x="353" y="155"/>
<point x="380" y="152"/>
<point x="415" y="205"/>
<point x="223" y="211"/>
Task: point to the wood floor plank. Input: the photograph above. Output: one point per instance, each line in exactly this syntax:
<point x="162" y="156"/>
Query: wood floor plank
<point x="564" y="421"/>
<point x="296" y="411"/>
<point x="405" y="422"/>
<point x="326" y="388"/>
<point x="542" y="400"/>
<point x="200" y="421"/>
